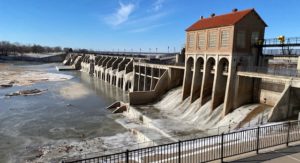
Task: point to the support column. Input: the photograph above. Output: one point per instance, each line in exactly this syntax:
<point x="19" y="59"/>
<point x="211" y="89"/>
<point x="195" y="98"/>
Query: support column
<point x="220" y="84"/>
<point x="145" y="78"/>
<point x="188" y="76"/>
<point x="152" y="80"/>
<point x="197" y="79"/>
<point x="135" y="79"/>
<point x="208" y="80"/>
<point x="139" y="79"/>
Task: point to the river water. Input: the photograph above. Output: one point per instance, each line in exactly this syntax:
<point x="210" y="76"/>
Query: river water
<point x="68" y="110"/>
<point x="71" y="112"/>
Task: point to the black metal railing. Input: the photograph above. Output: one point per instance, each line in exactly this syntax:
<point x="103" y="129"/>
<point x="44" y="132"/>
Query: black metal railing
<point x="276" y="41"/>
<point x="208" y="148"/>
<point x="272" y="71"/>
<point x="280" y="52"/>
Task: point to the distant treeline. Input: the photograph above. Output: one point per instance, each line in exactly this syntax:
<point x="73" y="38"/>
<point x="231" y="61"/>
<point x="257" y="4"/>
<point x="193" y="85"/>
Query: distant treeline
<point x="8" y="48"/>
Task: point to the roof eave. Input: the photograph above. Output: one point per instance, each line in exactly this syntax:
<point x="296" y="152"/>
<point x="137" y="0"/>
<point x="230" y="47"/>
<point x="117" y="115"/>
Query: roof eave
<point x="189" y="30"/>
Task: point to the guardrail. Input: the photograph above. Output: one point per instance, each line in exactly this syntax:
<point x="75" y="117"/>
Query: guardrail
<point x="272" y="71"/>
<point x="142" y="54"/>
<point x="209" y="148"/>
<point x="261" y="120"/>
<point x="276" y="41"/>
<point x="281" y="52"/>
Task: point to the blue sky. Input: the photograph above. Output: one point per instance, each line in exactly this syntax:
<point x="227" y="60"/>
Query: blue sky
<point x="128" y="24"/>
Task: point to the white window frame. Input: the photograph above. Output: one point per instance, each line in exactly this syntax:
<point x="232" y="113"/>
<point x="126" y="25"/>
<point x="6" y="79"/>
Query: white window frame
<point x="225" y="39"/>
<point x="201" y="40"/>
<point x="191" y="40"/>
<point x="212" y="39"/>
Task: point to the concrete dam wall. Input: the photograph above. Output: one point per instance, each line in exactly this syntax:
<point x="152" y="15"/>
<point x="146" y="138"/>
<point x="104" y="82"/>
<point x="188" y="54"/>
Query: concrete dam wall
<point x="144" y="81"/>
<point x="152" y="81"/>
<point x="204" y="83"/>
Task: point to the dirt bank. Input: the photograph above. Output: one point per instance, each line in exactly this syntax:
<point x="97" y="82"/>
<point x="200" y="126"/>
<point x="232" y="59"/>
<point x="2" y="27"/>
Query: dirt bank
<point x="17" y="76"/>
<point x="29" y="92"/>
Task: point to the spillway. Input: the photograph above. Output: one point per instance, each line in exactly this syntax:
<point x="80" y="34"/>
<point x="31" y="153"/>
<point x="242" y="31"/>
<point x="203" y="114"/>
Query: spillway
<point x="177" y="118"/>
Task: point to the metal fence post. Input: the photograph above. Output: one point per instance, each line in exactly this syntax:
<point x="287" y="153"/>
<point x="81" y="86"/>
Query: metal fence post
<point x="222" y="147"/>
<point x="179" y="151"/>
<point x="288" y="134"/>
<point x="127" y="156"/>
<point x="257" y="138"/>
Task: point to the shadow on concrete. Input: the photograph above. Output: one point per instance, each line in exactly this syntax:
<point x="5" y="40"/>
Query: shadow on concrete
<point x="272" y="155"/>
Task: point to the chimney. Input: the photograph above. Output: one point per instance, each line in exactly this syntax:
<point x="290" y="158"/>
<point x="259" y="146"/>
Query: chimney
<point x="202" y="17"/>
<point x="234" y="10"/>
<point x="213" y="15"/>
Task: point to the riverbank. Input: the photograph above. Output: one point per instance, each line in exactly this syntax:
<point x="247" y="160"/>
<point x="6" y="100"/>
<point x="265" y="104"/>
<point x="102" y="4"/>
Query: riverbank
<point x="35" y="57"/>
<point x="18" y="76"/>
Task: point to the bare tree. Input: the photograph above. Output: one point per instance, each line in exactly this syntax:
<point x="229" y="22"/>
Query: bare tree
<point x="7" y="48"/>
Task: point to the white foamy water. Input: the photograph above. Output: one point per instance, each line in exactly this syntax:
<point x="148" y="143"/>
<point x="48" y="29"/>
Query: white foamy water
<point x="193" y="114"/>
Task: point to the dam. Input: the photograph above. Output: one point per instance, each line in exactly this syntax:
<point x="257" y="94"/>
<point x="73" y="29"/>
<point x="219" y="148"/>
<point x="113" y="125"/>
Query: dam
<point x="224" y="64"/>
<point x="227" y="77"/>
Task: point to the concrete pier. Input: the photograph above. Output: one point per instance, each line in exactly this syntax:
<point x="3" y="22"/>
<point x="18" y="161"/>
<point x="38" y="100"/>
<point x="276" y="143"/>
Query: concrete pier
<point x="122" y="70"/>
<point x="116" y="70"/>
<point x="153" y="80"/>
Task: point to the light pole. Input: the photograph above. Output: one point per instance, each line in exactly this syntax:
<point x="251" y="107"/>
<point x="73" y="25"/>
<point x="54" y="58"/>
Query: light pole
<point x="168" y="49"/>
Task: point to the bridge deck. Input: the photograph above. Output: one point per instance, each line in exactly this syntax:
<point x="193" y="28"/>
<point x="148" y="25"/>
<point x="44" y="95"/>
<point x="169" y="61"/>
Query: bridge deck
<point x="263" y="76"/>
<point x="280" y="45"/>
<point x="293" y="81"/>
<point x="157" y="65"/>
<point x="275" y="42"/>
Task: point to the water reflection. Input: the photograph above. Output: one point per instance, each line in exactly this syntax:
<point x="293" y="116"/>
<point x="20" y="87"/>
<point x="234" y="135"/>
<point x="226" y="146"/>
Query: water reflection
<point x="103" y="89"/>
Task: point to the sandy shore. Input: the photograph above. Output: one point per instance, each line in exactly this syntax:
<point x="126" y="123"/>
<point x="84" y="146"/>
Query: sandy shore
<point x="17" y="76"/>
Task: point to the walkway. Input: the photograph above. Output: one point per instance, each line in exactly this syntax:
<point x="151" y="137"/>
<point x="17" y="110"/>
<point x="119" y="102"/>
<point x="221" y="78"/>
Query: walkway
<point x="281" y="155"/>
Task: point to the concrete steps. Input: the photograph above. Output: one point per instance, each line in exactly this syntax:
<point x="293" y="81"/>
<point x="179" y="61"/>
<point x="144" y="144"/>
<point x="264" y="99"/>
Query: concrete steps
<point x="118" y="107"/>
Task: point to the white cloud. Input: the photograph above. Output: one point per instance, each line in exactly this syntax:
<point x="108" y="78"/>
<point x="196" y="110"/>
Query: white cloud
<point x="135" y="18"/>
<point x="158" y="4"/>
<point x="121" y="15"/>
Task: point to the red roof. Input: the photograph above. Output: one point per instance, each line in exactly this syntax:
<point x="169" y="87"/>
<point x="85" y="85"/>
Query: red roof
<point x="220" y="21"/>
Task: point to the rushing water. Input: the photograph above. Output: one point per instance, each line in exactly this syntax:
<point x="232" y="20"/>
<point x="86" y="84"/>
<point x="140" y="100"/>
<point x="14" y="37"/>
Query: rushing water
<point x="69" y="110"/>
<point x="179" y="118"/>
<point x="74" y="110"/>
